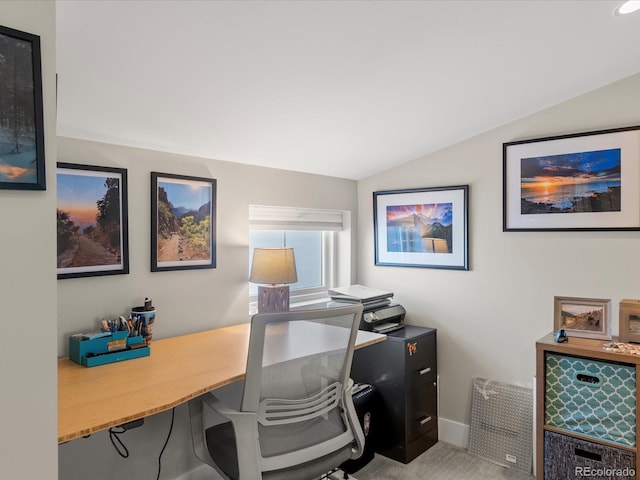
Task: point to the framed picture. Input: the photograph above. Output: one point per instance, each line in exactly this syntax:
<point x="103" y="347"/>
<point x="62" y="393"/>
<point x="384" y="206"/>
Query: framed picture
<point x="423" y="227"/>
<point x="183" y="222"/>
<point x="21" y="113"/>
<point x="584" y="181"/>
<point x="92" y="231"/>
<point x="629" y="321"/>
<point x="583" y="317"/>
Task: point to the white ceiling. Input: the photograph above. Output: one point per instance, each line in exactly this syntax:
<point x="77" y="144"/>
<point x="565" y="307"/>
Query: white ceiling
<point x="340" y="88"/>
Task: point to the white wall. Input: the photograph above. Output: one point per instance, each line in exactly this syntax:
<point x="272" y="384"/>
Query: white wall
<point x="187" y="301"/>
<point x="489" y="318"/>
<point x="28" y="287"/>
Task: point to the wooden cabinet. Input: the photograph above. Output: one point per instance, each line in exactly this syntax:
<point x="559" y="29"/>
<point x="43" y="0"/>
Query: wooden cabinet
<point x="403" y="370"/>
<point x="586" y="410"/>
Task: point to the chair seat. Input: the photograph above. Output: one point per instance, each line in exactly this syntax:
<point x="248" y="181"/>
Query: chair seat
<point x="221" y="444"/>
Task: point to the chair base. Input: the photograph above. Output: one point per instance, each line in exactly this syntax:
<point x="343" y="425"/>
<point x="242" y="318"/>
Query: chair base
<point x="338" y="475"/>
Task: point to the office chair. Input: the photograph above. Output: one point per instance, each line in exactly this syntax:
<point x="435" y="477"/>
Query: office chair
<point x="293" y="416"/>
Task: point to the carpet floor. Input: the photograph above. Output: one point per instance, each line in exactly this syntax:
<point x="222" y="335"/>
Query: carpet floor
<point x="441" y="462"/>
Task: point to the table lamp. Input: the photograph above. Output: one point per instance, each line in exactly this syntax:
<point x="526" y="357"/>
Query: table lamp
<point x="276" y="267"/>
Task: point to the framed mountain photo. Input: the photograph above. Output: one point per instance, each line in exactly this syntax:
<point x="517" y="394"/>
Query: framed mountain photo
<point x="183" y="222"/>
<point x="92" y="232"/>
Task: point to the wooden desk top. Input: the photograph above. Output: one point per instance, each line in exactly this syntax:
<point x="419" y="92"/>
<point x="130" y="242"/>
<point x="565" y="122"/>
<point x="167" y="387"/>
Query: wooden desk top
<point x="178" y="370"/>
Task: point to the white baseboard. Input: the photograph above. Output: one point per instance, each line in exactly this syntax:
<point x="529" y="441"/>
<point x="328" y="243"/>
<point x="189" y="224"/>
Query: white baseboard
<point x="454" y="433"/>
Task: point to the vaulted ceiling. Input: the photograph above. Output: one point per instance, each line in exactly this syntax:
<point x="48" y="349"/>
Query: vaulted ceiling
<point x="340" y="88"/>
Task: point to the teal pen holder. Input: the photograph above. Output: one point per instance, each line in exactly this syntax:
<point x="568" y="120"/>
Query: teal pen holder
<point x="100" y="351"/>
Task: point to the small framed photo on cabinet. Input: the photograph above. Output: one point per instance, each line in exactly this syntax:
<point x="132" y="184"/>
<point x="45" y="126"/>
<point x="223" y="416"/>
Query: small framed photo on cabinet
<point x="629" y="321"/>
<point x="583" y="317"/>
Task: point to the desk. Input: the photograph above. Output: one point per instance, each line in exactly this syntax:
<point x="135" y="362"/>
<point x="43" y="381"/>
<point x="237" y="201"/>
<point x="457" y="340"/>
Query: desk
<point x="178" y="369"/>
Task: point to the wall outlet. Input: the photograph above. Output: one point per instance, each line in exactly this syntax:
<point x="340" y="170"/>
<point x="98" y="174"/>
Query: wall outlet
<point x="511" y="458"/>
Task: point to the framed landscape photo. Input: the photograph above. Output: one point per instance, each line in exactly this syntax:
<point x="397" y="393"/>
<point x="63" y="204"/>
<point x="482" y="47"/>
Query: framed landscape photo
<point x="183" y="222"/>
<point x="583" y="317"/>
<point x="583" y="181"/>
<point x="22" y="165"/>
<point x="423" y="227"/>
<point x="92" y="223"/>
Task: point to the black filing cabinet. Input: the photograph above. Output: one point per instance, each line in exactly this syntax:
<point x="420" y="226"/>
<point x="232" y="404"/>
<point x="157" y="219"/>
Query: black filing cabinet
<point x="403" y="370"/>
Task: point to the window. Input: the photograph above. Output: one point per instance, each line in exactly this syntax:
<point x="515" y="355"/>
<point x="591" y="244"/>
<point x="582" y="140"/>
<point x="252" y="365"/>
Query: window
<point x="313" y="236"/>
<point x="310" y="253"/>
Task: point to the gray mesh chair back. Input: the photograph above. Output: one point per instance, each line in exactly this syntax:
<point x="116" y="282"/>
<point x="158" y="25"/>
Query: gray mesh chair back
<point x="294" y="416"/>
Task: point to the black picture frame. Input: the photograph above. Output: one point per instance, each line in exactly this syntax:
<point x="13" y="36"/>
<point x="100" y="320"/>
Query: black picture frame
<point x="577" y="182"/>
<point x="422" y="227"/>
<point x="22" y="157"/>
<point x="183" y="222"/>
<point x="92" y="221"/>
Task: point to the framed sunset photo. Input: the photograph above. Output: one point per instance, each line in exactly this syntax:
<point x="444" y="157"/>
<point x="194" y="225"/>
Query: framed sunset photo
<point x="183" y="222"/>
<point x="586" y="181"/>
<point x="422" y="227"/>
<point x="92" y="231"/>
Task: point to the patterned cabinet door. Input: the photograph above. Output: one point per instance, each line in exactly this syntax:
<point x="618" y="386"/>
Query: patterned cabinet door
<point x="590" y="397"/>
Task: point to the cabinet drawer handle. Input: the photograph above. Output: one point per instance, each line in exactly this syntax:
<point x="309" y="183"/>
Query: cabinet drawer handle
<point x="425" y="420"/>
<point x="589" y="455"/>
<point x="425" y="370"/>
<point x="585" y="378"/>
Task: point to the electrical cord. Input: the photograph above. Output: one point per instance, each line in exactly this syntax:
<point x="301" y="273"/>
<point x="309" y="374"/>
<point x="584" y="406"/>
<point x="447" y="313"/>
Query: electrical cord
<point x="114" y="436"/>
<point x="173" y="414"/>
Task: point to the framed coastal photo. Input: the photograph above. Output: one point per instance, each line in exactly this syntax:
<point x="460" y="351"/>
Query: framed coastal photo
<point x="92" y="223"/>
<point x="583" y="317"/>
<point x="423" y="227"/>
<point x="22" y="165"/>
<point x="183" y="222"/>
<point x="583" y="181"/>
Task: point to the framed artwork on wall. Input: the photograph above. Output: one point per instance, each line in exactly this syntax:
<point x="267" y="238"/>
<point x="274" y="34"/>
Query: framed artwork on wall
<point x="583" y="181"/>
<point x="183" y="222"/>
<point x="422" y="227"/>
<point x="22" y="165"/>
<point x="92" y="221"/>
<point x="583" y="317"/>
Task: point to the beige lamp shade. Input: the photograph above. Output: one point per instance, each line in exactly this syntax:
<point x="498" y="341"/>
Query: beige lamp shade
<point x="273" y="266"/>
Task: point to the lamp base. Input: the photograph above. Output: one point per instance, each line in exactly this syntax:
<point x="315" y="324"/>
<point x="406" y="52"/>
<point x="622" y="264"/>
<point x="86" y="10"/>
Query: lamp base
<point x="273" y="298"/>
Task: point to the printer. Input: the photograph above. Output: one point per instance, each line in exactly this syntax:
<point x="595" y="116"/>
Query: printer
<point x="382" y="319"/>
<point x="379" y="315"/>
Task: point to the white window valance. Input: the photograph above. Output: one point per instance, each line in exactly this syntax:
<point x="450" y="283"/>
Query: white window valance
<point x="264" y="217"/>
